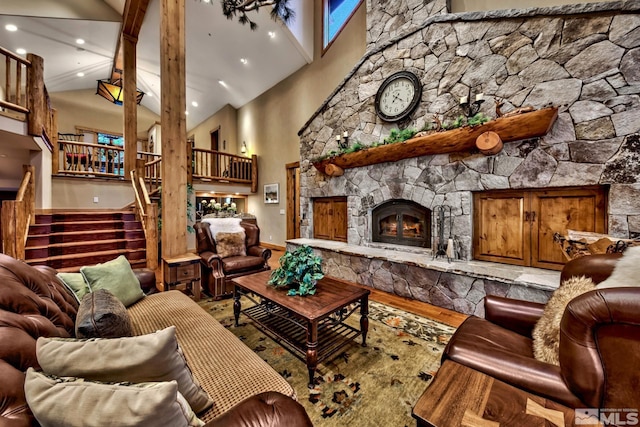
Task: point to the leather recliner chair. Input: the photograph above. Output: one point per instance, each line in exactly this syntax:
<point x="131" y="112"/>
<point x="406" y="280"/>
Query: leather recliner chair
<point x="218" y="272"/>
<point x="599" y="343"/>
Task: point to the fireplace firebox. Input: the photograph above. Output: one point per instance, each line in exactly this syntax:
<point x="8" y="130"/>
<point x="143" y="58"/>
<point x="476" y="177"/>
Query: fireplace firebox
<point x="401" y="222"/>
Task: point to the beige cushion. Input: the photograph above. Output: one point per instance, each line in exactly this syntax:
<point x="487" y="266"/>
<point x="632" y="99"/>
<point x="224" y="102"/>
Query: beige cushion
<point x="102" y="315"/>
<point x="151" y="357"/>
<point x="72" y="402"/>
<point x="230" y="244"/>
<point x="626" y="272"/>
<point x="546" y="333"/>
<point x="117" y="277"/>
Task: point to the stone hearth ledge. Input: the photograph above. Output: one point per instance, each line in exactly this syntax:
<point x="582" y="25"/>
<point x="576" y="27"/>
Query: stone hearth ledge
<point x="458" y="285"/>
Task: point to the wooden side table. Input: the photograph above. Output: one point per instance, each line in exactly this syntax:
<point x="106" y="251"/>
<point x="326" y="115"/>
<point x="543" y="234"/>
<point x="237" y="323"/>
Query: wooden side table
<point x="182" y="273"/>
<point x="461" y="396"/>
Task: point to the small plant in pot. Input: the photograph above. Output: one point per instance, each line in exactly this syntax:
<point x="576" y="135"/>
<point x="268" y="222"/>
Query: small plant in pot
<point x="299" y="271"/>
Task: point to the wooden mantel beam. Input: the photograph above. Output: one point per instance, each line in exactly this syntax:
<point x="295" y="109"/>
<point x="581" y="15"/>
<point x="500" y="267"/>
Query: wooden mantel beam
<point x="523" y="126"/>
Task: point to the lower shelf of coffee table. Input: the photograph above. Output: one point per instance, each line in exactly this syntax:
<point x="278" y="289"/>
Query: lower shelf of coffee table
<point x="289" y="329"/>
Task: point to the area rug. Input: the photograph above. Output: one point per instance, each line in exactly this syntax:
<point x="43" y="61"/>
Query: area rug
<point x="361" y="386"/>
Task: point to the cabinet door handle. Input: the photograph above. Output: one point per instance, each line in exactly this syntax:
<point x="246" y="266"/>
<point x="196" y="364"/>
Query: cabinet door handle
<point x="533" y="216"/>
<point x="527" y="216"/>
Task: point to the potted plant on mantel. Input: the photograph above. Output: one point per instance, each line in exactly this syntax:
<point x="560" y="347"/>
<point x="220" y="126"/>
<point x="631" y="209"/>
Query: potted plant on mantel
<point x="299" y="272"/>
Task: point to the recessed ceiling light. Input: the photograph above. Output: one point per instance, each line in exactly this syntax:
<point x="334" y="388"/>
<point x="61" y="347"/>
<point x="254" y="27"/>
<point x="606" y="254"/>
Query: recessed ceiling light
<point x="272" y="34"/>
<point x="194" y="103"/>
<point x="80" y="74"/>
<point x="20" y="51"/>
<point x="244" y="61"/>
<point x="10" y="27"/>
<point x="186" y="113"/>
<point x="80" y="41"/>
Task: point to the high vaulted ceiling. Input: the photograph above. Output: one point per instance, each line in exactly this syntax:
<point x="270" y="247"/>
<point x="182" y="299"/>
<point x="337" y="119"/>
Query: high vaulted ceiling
<point x="214" y="48"/>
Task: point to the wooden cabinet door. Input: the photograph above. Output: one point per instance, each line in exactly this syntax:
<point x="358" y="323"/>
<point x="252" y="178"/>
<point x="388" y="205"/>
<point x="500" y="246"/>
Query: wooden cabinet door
<point x="321" y="219"/>
<point x="500" y="231"/>
<point x="339" y="220"/>
<point x="517" y="227"/>
<point x="559" y="210"/>
<point x="330" y="218"/>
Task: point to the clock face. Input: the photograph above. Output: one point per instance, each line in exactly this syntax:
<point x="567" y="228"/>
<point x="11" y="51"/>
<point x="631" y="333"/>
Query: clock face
<point x="398" y="96"/>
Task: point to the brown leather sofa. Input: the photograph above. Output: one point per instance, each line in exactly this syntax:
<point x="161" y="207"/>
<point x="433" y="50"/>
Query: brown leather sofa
<point x="599" y="343"/>
<point x="34" y="303"/>
<point x="217" y="272"/>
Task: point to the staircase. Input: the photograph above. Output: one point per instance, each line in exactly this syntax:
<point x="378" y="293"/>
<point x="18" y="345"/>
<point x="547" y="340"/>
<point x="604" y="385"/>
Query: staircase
<point x="67" y="241"/>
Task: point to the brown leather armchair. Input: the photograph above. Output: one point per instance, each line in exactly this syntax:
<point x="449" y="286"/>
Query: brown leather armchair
<point x="217" y="272"/>
<point x="599" y="343"/>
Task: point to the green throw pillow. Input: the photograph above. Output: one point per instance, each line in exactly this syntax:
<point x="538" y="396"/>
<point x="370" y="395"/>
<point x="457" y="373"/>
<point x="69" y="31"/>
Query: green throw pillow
<point x="75" y="283"/>
<point x="76" y="402"/>
<point x="117" y="277"/>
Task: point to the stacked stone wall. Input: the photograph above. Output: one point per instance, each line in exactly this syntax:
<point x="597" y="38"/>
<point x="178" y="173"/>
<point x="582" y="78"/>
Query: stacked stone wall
<point x="584" y="59"/>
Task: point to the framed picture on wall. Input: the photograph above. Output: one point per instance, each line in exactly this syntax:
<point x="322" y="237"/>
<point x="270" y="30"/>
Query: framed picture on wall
<point x="271" y="193"/>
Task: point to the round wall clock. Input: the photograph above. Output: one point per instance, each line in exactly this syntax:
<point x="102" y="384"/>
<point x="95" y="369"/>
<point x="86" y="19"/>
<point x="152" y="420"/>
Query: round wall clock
<point x="398" y="96"/>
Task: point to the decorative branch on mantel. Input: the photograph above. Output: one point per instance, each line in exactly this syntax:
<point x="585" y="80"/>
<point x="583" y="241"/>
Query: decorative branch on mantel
<point x="514" y="128"/>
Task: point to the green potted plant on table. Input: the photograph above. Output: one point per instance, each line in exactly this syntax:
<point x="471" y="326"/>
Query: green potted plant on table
<point x="299" y="271"/>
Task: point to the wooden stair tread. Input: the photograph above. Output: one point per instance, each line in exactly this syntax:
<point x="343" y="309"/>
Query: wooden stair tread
<point x="71" y="233"/>
<point x="84" y="243"/>
<point x="84" y="255"/>
<point x="135" y="263"/>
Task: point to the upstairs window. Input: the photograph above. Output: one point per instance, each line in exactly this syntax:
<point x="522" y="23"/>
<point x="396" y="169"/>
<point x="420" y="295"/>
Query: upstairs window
<point x="336" y="15"/>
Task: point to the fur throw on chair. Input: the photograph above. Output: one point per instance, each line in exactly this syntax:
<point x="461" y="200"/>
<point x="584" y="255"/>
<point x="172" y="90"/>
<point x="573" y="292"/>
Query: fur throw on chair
<point x="546" y="334"/>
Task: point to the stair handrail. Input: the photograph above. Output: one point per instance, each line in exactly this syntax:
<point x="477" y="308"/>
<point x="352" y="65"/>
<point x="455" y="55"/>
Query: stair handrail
<point x="18" y="214"/>
<point x="147" y="214"/>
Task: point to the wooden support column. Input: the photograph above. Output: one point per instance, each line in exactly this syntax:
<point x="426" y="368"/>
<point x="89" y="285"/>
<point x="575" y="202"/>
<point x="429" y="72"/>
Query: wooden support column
<point x="254" y="173"/>
<point x="174" y="129"/>
<point x="55" y="155"/>
<point x="130" y="105"/>
<point x="36" y="98"/>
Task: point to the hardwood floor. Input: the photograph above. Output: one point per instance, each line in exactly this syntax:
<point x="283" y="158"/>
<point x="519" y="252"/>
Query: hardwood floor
<point x="439" y="314"/>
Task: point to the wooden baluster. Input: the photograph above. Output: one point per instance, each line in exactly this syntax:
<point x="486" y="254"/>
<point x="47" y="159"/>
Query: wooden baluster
<point x="18" y="83"/>
<point x="7" y="84"/>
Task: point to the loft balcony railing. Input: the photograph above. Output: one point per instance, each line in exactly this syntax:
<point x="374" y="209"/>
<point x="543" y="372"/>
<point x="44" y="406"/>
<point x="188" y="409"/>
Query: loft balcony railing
<point x="24" y="94"/>
<point x="223" y="167"/>
<point x="90" y="160"/>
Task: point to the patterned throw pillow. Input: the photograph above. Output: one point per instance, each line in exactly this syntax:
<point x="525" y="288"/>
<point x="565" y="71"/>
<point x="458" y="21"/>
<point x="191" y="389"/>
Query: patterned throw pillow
<point x="102" y="315"/>
<point x="75" y="402"/>
<point x="546" y="333"/>
<point x="144" y="358"/>
<point x="626" y="272"/>
<point x="230" y="244"/>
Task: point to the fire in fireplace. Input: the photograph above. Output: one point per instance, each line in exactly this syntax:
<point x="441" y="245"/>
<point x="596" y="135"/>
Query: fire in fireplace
<point x="401" y="222"/>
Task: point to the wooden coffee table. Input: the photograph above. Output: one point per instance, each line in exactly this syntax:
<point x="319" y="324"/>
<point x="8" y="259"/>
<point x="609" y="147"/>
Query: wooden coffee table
<point x="312" y="327"/>
<point x="461" y="396"/>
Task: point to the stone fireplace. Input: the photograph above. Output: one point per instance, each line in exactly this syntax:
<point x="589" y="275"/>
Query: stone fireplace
<point x="581" y="58"/>
<point x="401" y="222"/>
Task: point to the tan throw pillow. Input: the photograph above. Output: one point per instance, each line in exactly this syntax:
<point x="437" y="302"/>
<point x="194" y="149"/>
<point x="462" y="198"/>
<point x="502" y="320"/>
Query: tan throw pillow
<point x="626" y="272"/>
<point x="102" y="315"/>
<point x="230" y="244"/>
<point x="546" y="333"/>
<point x="75" y="402"/>
<point x="145" y="358"/>
<point x="117" y="277"/>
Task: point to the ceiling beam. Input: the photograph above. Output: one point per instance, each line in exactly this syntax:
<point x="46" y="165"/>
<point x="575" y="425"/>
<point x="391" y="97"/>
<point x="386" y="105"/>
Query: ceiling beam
<point x="132" y="17"/>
